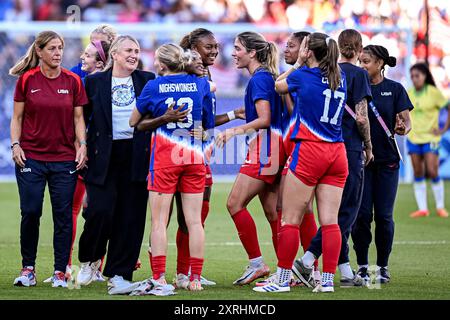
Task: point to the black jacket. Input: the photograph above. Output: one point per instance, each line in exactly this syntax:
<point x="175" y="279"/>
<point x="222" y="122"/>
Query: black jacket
<point x="98" y="117"/>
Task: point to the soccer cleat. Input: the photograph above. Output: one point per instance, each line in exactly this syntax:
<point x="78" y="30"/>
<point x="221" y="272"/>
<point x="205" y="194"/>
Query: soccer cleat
<point x="206" y="282"/>
<point x="118" y="285"/>
<point x="420" y="213"/>
<point x="251" y="274"/>
<point x="324" y="287"/>
<point x="195" y="285"/>
<point x="181" y="281"/>
<point x="364" y="276"/>
<point x="59" y="280"/>
<point x="356" y="281"/>
<point x="442" y="213"/>
<point x="87" y="272"/>
<point x="274" y="287"/>
<point x="27" y="278"/>
<point x="271" y="279"/>
<point x="303" y="273"/>
<point x="382" y="275"/>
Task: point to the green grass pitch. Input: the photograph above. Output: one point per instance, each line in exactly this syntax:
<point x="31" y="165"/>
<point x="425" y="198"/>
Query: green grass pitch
<point x="419" y="264"/>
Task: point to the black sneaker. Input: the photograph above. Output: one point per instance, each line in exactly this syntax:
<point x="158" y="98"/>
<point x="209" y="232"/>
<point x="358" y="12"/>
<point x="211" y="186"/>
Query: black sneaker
<point x="356" y="281"/>
<point x="303" y="273"/>
<point x="363" y="275"/>
<point x="383" y="275"/>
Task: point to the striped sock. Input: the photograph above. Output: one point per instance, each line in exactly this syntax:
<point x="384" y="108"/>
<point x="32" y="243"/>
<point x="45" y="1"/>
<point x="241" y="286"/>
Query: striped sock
<point x="327" y="277"/>
<point x="283" y="275"/>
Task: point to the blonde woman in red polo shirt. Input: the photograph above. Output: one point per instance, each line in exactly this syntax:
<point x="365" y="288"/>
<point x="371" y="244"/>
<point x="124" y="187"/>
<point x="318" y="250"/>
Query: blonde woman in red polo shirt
<point x="48" y="143"/>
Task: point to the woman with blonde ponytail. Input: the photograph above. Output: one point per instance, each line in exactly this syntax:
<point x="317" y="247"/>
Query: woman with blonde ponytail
<point x="177" y="161"/>
<point x="318" y="162"/>
<point x="257" y="176"/>
<point x="48" y="144"/>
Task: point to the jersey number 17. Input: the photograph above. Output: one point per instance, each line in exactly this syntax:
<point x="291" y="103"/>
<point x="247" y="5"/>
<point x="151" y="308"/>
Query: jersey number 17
<point x="326" y="108"/>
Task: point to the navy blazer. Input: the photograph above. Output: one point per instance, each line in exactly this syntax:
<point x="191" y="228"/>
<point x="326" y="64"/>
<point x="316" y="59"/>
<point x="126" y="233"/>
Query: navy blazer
<point x="98" y="117"/>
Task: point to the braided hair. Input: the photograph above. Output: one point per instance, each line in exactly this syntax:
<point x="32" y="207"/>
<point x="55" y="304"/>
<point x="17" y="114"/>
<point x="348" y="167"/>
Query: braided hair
<point x="381" y="53"/>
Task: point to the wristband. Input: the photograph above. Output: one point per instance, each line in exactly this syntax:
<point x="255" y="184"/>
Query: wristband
<point x="231" y="115"/>
<point x="83" y="142"/>
<point x="15" y="143"/>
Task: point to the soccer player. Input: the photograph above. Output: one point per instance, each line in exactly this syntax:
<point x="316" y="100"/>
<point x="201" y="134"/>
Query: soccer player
<point x="48" y="144"/>
<point x="318" y="162"/>
<point x="423" y="141"/>
<point x="308" y="227"/>
<point x="203" y="43"/>
<point x="389" y="114"/>
<point x="177" y="158"/>
<point x="263" y="108"/>
<point x="356" y="134"/>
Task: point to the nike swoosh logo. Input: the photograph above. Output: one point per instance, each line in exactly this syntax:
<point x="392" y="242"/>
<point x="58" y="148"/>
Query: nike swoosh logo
<point x="72" y="172"/>
<point x="35" y="90"/>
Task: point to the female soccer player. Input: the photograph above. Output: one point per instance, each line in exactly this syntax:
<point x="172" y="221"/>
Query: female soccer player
<point x="177" y="159"/>
<point x="319" y="162"/>
<point x="206" y="45"/>
<point x="356" y="134"/>
<point x="392" y="106"/>
<point x="423" y="140"/>
<point x="48" y="144"/>
<point x="263" y="108"/>
<point x="308" y="227"/>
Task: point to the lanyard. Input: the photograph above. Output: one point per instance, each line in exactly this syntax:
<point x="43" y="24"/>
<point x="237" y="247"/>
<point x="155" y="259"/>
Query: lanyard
<point x="382" y="123"/>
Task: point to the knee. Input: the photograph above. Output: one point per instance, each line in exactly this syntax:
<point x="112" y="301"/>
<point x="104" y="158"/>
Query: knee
<point x="328" y="220"/>
<point x="232" y="205"/>
<point x="432" y="174"/>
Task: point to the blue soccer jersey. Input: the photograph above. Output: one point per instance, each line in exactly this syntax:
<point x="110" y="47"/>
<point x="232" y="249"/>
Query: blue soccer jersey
<point x="262" y="87"/>
<point x="172" y="143"/>
<point x="319" y="109"/>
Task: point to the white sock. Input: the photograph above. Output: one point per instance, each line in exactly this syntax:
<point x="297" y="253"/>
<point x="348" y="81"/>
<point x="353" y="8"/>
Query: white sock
<point x="256" y="262"/>
<point x="327" y="277"/>
<point x="438" y="191"/>
<point x="308" y="259"/>
<point x="283" y="275"/>
<point x="420" y="192"/>
<point x="346" y="270"/>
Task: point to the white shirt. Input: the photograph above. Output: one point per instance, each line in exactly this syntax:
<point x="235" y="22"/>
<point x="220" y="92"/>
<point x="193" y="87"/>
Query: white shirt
<point x="123" y="101"/>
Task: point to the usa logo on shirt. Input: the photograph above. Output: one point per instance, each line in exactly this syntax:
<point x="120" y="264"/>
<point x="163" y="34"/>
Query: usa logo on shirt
<point x="63" y="91"/>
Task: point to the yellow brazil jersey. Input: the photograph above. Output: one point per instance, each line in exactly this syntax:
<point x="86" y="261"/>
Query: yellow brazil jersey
<point x="425" y="115"/>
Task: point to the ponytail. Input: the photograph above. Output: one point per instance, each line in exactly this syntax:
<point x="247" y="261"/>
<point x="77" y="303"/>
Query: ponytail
<point x="272" y="59"/>
<point x="31" y="59"/>
<point x="174" y="57"/>
<point x="326" y="52"/>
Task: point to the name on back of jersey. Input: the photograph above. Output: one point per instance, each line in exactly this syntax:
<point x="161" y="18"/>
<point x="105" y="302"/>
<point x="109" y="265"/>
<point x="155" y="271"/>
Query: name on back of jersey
<point x="178" y="87"/>
<point x="325" y="80"/>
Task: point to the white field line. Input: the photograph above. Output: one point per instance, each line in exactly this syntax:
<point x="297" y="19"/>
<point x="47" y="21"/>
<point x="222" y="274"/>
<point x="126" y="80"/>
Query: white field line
<point x="267" y="243"/>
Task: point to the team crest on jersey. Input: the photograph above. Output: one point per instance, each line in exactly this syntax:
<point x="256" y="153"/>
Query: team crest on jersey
<point x="122" y="95"/>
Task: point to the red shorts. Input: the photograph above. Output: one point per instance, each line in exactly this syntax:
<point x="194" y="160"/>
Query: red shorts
<point x="208" y="179"/>
<point x="255" y="171"/>
<point x="320" y="163"/>
<point x="188" y="178"/>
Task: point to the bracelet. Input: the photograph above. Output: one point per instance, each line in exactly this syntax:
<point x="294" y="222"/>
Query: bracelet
<point x="83" y="142"/>
<point x="231" y="115"/>
<point x="15" y="143"/>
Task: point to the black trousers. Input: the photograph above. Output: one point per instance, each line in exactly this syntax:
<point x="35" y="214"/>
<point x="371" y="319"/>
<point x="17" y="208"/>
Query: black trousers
<point x="348" y="211"/>
<point x="31" y="180"/>
<point x="380" y="190"/>
<point x="116" y="213"/>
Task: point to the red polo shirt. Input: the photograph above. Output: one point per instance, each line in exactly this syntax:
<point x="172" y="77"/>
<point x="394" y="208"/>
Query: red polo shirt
<point x="48" y="130"/>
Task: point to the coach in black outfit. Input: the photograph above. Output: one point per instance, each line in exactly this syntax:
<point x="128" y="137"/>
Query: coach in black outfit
<point x="118" y="162"/>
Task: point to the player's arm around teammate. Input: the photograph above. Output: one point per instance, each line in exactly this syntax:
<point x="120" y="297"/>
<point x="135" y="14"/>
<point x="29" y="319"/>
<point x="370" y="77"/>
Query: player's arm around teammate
<point x="171" y="166"/>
